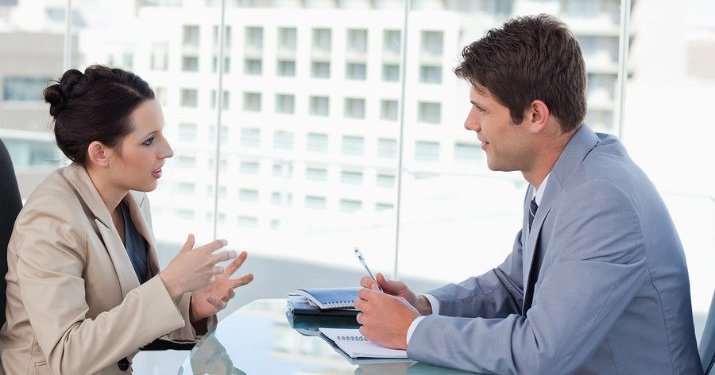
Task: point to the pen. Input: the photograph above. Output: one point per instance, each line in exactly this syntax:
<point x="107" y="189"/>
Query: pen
<point x="362" y="260"/>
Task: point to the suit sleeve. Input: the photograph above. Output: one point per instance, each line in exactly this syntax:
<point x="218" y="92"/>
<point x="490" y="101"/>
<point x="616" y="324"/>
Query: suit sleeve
<point x="51" y="254"/>
<point x="598" y="265"/>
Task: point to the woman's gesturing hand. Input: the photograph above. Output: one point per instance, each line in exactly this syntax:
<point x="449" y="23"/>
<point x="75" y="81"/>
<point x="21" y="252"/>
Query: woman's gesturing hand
<point x="213" y="298"/>
<point x="192" y="269"/>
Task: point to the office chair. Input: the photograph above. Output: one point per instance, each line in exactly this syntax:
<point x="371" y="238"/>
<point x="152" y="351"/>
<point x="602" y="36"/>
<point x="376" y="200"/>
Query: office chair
<point x="10" y="205"/>
<point x="707" y="341"/>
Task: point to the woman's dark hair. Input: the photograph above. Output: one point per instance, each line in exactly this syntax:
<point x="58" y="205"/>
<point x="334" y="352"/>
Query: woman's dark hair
<point x="94" y="106"/>
<point x="530" y="58"/>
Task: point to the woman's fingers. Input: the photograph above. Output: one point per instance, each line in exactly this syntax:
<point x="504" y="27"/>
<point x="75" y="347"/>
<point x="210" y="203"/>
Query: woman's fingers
<point x="237" y="263"/>
<point x="241" y="281"/>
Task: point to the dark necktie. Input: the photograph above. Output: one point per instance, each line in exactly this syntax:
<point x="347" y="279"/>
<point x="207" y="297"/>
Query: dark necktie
<point x="532" y="211"/>
<point x="535" y="262"/>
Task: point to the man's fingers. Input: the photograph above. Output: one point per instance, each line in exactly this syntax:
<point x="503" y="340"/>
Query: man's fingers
<point x="358" y="318"/>
<point x="366" y="282"/>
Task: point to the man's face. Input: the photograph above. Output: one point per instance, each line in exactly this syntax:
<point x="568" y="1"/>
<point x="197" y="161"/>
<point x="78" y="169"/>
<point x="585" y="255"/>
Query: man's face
<point x="506" y="144"/>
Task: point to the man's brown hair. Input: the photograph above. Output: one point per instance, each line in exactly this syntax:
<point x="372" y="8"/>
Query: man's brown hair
<point x="530" y="58"/>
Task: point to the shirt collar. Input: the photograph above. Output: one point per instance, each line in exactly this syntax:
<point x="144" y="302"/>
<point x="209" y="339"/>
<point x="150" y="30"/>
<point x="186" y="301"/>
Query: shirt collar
<point x="539" y="193"/>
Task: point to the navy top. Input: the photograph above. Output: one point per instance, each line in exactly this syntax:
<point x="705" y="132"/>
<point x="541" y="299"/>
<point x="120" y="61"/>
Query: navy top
<point x="135" y="245"/>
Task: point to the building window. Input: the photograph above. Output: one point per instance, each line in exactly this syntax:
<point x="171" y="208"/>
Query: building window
<point x="159" y="57"/>
<point x="354" y="108"/>
<point x="222" y="167"/>
<point x="24" y="89"/>
<point x="426" y="151"/>
<point x="316" y="174"/>
<point x="226" y="36"/>
<point x="385" y="180"/>
<point x="317" y="142"/>
<point x="187" y="162"/>
<point x="253" y="67"/>
<point x="252" y="101"/>
<point x="283" y="140"/>
<point x="353" y="145"/>
<point x="226" y="99"/>
<point x="185" y="188"/>
<point x="317" y="202"/>
<point x="248" y="167"/>
<point x="357" y="41"/>
<point x="250" y="137"/>
<point x="388" y="110"/>
<point x="466" y="151"/>
<point x="432" y="43"/>
<point x="386" y="148"/>
<point x="390" y="72"/>
<point x="248" y="195"/>
<point x="431" y="74"/>
<point x="184" y="214"/>
<point x="356" y="71"/>
<point x="191" y="36"/>
<point x="286" y="68"/>
<point x="189" y="98"/>
<point x="287" y="38"/>
<point x="322" y="40"/>
<point x="391" y="41"/>
<point x="247" y="222"/>
<point x="254" y="38"/>
<point x="224" y="134"/>
<point x="351" y="178"/>
<point x="319" y="106"/>
<point x="283" y="170"/>
<point x="160" y="93"/>
<point x="226" y="65"/>
<point x="285" y="103"/>
<point x="320" y="69"/>
<point x="190" y="64"/>
<point x="350" y="205"/>
<point x="380" y="206"/>
<point x="187" y="132"/>
<point x="429" y="112"/>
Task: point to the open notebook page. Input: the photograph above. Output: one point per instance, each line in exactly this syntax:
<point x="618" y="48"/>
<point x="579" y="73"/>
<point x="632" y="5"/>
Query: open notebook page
<point x="356" y="345"/>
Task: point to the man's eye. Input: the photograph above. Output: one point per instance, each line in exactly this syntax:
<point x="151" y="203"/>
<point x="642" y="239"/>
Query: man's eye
<point x="148" y="141"/>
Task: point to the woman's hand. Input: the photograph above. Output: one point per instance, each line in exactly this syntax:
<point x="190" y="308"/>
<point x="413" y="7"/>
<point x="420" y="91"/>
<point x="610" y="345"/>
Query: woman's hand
<point x="213" y="297"/>
<point x="193" y="269"/>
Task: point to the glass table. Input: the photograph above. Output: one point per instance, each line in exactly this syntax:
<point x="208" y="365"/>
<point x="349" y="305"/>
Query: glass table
<point x="264" y="338"/>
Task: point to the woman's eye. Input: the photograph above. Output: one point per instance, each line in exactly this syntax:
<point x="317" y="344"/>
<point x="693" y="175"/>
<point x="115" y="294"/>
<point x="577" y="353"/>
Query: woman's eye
<point x="148" y="141"/>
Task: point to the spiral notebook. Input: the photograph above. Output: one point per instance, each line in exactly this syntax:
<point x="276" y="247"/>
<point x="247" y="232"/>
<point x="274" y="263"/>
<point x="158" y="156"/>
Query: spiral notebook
<point x="329" y="298"/>
<point x="355" y="345"/>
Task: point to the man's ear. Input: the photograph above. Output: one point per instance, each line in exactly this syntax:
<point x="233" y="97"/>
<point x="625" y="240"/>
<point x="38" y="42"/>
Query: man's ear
<point x="537" y="115"/>
<point x="99" y="154"/>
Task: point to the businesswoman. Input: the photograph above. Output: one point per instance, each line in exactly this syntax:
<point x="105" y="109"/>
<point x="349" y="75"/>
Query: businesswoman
<point x="84" y="290"/>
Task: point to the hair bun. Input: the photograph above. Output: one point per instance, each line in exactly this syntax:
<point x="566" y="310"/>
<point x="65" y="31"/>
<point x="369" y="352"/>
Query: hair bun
<point x="59" y="94"/>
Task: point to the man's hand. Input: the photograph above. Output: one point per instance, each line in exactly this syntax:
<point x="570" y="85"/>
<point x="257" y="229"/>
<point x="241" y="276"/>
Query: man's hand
<point x="385" y="318"/>
<point x="398" y="289"/>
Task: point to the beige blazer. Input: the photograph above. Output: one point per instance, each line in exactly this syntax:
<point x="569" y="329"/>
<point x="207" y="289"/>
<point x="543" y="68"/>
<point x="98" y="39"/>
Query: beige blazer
<point x="74" y="303"/>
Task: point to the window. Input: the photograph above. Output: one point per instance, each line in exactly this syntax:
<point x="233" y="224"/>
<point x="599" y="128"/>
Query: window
<point x="317" y="142"/>
<point x="351" y="178"/>
<point x="190" y="64"/>
<point x="287" y="38"/>
<point x="319" y="69"/>
<point x="386" y="148"/>
<point x="252" y="101"/>
<point x="185" y="188"/>
<point x="184" y="161"/>
<point x="253" y="67"/>
<point x="222" y="167"/>
<point x="357" y="41"/>
<point x="189" y="98"/>
<point x="319" y="105"/>
<point x="350" y="205"/>
<point x="316" y="174"/>
<point x="388" y="110"/>
<point x="226" y="99"/>
<point x="354" y="108"/>
<point x="254" y="38"/>
<point x="247" y="222"/>
<point x="356" y="71"/>
<point x="248" y="167"/>
<point x="391" y="41"/>
<point x="390" y="72"/>
<point x="322" y="40"/>
<point x="353" y="145"/>
<point x="380" y="206"/>
<point x="224" y="135"/>
<point x="248" y="195"/>
<point x="429" y="112"/>
<point x="159" y="56"/>
<point x="226" y="36"/>
<point x="250" y="137"/>
<point x="187" y="132"/>
<point x="283" y="170"/>
<point x="467" y="151"/>
<point x="286" y="68"/>
<point x="191" y="36"/>
<point x="432" y="43"/>
<point x="24" y="89"/>
<point x="184" y="214"/>
<point x="317" y="202"/>
<point x="426" y="151"/>
<point x="283" y="140"/>
<point x="431" y="74"/>
<point x="385" y="180"/>
<point x="226" y="65"/>
<point x="285" y="103"/>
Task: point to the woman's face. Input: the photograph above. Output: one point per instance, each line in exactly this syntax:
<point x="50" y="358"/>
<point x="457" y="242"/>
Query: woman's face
<point x="141" y="155"/>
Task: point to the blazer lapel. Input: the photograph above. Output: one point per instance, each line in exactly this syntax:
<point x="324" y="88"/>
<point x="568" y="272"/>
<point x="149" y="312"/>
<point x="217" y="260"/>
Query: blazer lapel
<point x="78" y="178"/>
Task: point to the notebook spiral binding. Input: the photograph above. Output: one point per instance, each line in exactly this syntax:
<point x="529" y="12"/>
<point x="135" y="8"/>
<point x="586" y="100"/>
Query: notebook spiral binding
<point x="351" y="338"/>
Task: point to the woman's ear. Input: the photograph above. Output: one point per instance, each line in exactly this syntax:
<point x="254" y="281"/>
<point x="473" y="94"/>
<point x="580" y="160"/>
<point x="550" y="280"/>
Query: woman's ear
<point x="99" y="154"/>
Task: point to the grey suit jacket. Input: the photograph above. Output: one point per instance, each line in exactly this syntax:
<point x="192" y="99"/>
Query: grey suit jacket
<point x="612" y="295"/>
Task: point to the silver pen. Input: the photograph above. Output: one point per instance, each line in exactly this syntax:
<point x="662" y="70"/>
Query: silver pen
<point x="362" y="261"/>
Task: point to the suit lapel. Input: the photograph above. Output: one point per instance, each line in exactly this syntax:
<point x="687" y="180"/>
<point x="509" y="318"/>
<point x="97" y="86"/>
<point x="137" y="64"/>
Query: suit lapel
<point x="78" y="178"/>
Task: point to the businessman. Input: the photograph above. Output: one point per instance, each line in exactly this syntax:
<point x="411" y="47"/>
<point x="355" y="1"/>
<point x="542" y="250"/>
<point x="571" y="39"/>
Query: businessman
<point x="596" y="282"/>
